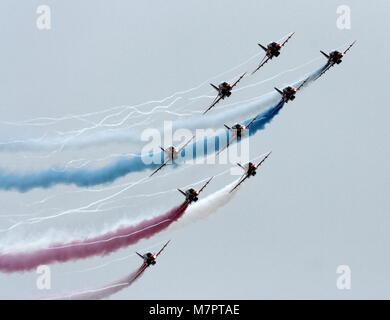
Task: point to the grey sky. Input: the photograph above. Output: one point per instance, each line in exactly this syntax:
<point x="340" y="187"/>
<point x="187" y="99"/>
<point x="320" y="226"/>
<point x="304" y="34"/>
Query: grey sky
<point x="320" y="201"/>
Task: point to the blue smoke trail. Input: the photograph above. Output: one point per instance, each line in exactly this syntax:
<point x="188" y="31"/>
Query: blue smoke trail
<point x="78" y="177"/>
<point x="89" y="177"/>
<point x="264" y="118"/>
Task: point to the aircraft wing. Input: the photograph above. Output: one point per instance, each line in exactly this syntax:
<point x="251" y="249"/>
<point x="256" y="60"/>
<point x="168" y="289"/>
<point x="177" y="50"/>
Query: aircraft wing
<point x="204" y="186"/>
<point x="182" y="192"/>
<point x="262" y="160"/>
<point x="243" y="167"/>
<point x="238" y="80"/>
<point x="302" y="84"/>
<point x="250" y="123"/>
<point x="331" y="64"/>
<point x="262" y="63"/>
<point x="161" y="250"/>
<point x="326" y="55"/>
<point x="225" y="147"/>
<point x="140" y="255"/>
<point x="186" y="144"/>
<point x="239" y="183"/>
<point x="141" y="270"/>
<point x="288" y="38"/>
<point x="214" y="86"/>
<point x="350" y="46"/>
<point x="217" y="99"/>
<point x="278" y="90"/>
<point x="228" y="144"/>
<point x="159" y="168"/>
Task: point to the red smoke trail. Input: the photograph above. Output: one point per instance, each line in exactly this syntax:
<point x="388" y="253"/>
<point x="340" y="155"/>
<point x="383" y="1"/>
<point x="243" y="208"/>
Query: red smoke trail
<point x="99" y="245"/>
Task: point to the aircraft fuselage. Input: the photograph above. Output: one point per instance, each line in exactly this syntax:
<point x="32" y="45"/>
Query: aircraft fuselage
<point x="273" y="50"/>
<point x="251" y="170"/>
<point x="336" y="56"/>
<point x="149" y="259"/>
<point x="289" y="93"/>
<point x="192" y="195"/>
<point x="172" y="153"/>
<point x="225" y="89"/>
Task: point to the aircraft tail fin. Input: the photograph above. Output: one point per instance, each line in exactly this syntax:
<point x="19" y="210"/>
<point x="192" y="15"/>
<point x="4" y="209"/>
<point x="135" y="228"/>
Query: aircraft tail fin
<point x="182" y="192"/>
<point x="327" y="56"/>
<point x="241" y="166"/>
<point x="140" y="255"/>
<point x="262" y="47"/>
<point x="278" y="90"/>
<point x="214" y="86"/>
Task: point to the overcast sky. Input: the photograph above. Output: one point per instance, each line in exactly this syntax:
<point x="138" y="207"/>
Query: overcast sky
<point x="320" y="201"/>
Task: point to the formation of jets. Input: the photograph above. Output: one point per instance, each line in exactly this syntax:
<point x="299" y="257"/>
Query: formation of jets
<point x="191" y="195"/>
<point x="225" y="90"/>
<point x="273" y="50"/>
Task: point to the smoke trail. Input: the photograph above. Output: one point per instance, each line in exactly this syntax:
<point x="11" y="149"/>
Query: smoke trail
<point x="83" y="177"/>
<point x="103" y="244"/>
<point x="44" y="121"/>
<point x="197" y="211"/>
<point x="84" y="137"/>
<point x="103" y="291"/>
<point x="132" y="136"/>
<point x="191" y="120"/>
<point x="205" y="207"/>
<point x="88" y="177"/>
<point x="120" y="135"/>
<point x="80" y="177"/>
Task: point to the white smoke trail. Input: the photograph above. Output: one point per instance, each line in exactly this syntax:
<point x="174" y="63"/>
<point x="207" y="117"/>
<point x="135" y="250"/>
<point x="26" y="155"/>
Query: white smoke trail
<point x="120" y="135"/>
<point x="202" y="209"/>
<point x="105" y="264"/>
<point x="76" y="210"/>
<point x="81" y="138"/>
<point x="11" y="244"/>
<point x="242" y="111"/>
<point x="103" y="291"/>
<point x="60" y="142"/>
<point x="205" y="207"/>
<point x="92" y="207"/>
<point x="53" y="120"/>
